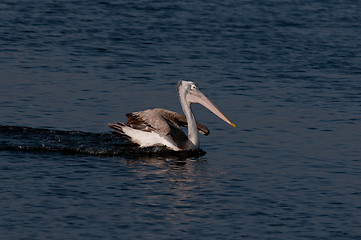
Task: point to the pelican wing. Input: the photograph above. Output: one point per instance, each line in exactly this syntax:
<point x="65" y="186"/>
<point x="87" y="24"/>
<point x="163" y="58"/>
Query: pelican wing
<point x="152" y="120"/>
<point x="180" y="120"/>
<point x="148" y="120"/>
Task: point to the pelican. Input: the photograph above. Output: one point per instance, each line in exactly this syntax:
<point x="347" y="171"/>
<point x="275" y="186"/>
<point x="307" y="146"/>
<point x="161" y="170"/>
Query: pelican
<point x="161" y="127"/>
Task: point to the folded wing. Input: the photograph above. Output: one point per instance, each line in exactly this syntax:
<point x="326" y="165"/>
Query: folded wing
<point x="180" y="120"/>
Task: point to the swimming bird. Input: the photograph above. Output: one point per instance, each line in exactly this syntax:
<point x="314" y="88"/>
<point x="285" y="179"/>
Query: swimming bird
<point x="161" y="127"/>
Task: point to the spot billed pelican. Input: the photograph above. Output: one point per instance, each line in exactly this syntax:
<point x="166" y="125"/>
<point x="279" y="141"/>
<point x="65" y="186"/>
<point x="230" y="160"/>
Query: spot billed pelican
<point x="161" y="127"/>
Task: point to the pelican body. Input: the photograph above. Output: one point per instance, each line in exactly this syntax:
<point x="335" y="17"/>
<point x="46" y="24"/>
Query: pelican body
<point x="161" y="127"/>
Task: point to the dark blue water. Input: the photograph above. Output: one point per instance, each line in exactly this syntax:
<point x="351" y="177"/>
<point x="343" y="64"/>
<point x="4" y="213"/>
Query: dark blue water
<point x="287" y="73"/>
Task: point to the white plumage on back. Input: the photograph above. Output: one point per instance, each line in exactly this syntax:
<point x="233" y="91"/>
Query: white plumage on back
<point x="148" y="139"/>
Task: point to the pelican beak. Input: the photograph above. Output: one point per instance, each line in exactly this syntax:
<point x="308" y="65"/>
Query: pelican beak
<point x="196" y="96"/>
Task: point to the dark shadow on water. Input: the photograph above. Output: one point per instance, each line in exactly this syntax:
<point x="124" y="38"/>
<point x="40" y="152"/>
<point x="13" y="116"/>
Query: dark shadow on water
<point x="174" y="162"/>
<point x="173" y="168"/>
<point x="19" y="138"/>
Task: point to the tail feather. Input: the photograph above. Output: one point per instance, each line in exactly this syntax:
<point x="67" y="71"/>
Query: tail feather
<point x="118" y="127"/>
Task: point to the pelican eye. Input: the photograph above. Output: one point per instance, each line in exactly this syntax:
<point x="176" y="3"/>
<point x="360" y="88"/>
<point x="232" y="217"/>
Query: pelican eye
<point x="193" y="87"/>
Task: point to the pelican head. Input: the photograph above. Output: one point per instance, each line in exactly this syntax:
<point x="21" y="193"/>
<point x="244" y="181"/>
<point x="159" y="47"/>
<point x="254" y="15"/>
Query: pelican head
<point x="189" y="93"/>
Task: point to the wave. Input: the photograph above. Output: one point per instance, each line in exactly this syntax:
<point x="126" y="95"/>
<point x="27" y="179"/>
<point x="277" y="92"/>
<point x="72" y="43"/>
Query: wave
<point x="27" y="139"/>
